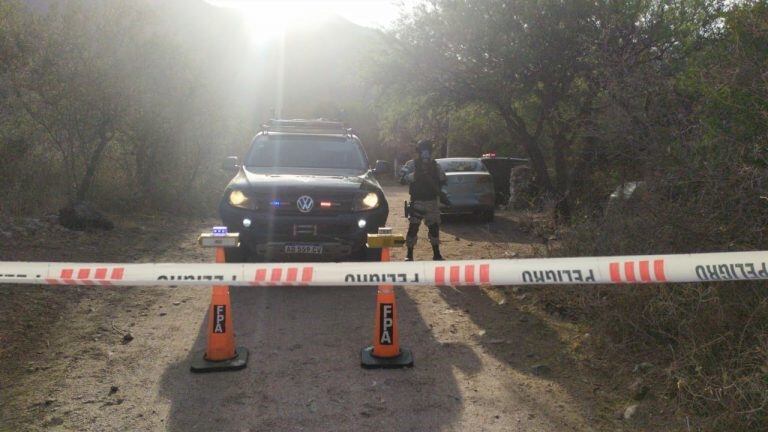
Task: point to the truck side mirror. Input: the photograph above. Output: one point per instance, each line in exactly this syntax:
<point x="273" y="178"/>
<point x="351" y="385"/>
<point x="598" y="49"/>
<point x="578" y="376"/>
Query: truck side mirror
<point x="229" y="163"/>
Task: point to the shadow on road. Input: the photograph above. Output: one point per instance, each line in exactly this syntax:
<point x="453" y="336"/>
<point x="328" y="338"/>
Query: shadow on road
<point x="304" y="371"/>
<point x="468" y="227"/>
<point x="532" y="348"/>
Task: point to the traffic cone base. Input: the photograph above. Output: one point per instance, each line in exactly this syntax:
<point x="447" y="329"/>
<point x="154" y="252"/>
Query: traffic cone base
<point x="239" y="361"/>
<point x="370" y="361"/>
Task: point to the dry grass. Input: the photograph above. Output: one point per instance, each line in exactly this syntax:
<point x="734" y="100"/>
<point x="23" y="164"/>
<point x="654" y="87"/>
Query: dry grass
<point x="710" y="341"/>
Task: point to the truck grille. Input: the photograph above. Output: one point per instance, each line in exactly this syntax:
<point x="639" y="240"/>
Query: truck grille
<point x="321" y="204"/>
<point x="289" y="231"/>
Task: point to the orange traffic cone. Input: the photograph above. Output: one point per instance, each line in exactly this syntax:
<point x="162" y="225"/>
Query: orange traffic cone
<point x="385" y="351"/>
<point x="220" y="353"/>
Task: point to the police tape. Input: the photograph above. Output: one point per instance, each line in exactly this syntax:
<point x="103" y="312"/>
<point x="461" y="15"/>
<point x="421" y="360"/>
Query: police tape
<point x="704" y="267"/>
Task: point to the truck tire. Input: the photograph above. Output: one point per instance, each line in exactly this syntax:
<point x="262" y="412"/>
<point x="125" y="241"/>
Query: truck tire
<point x="373" y="255"/>
<point x="367" y="254"/>
<point x="235" y="255"/>
<point x="487" y="215"/>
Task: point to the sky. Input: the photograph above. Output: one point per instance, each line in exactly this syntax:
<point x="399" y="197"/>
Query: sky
<point x="266" y="19"/>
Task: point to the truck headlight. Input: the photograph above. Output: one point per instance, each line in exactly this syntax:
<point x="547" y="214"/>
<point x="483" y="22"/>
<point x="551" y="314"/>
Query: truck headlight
<point x="368" y="201"/>
<point x="239" y="199"/>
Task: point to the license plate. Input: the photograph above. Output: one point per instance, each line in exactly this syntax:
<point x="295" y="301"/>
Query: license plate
<point x="304" y="249"/>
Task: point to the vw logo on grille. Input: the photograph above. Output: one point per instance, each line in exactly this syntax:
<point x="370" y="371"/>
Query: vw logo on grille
<point x="305" y="203"/>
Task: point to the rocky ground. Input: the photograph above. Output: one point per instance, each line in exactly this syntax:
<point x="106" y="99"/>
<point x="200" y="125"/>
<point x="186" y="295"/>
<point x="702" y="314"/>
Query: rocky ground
<point x="98" y="358"/>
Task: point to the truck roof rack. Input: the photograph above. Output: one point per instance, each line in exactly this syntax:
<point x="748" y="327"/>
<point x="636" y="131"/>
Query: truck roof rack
<point x="316" y="126"/>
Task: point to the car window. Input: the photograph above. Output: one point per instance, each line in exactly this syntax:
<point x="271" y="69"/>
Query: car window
<point x="306" y="152"/>
<point x="462" y="165"/>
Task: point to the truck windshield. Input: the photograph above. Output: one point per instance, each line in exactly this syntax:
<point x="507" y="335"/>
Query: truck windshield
<point x="306" y="152"/>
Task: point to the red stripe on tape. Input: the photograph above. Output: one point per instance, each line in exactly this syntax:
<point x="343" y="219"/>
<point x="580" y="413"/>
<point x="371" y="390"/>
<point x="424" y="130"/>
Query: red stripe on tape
<point x="455" y="274"/>
<point x="277" y="273"/>
<point x="117" y="273"/>
<point x="66" y="274"/>
<point x="292" y="273"/>
<point x="83" y="273"/>
<point x="469" y="274"/>
<point x="440" y="275"/>
<point x="645" y="273"/>
<point x="629" y="271"/>
<point x="658" y="270"/>
<point x="52" y="281"/>
<point x="306" y="274"/>
<point x="261" y="275"/>
<point x="615" y="276"/>
<point x="101" y="273"/>
<point x="485" y="273"/>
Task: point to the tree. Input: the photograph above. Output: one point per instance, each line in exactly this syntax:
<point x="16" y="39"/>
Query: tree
<point x="523" y="59"/>
<point x="476" y="130"/>
<point x="68" y="92"/>
<point x="538" y="64"/>
<point x="405" y="120"/>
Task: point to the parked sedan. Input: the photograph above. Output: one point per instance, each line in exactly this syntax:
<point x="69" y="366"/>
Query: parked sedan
<point x="469" y="187"/>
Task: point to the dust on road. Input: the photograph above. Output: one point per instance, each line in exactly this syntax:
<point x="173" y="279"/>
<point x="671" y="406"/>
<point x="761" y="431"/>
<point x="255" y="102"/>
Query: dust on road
<point x="481" y="362"/>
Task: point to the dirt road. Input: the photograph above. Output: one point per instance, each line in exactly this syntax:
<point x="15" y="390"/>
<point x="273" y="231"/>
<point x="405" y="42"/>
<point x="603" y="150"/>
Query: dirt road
<point x="482" y="361"/>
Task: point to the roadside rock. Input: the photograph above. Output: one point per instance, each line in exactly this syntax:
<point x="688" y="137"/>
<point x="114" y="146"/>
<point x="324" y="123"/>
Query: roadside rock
<point x="33" y="224"/>
<point x="630" y="411"/>
<point x="82" y="215"/>
<point x="56" y="421"/>
<point x="638" y="390"/>
<point x="642" y="367"/>
<point x="312" y="406"/>
<point x="541" y="370"/>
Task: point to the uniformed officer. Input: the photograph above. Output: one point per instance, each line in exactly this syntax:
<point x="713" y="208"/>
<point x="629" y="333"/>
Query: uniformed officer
<point x="425" y="182"/>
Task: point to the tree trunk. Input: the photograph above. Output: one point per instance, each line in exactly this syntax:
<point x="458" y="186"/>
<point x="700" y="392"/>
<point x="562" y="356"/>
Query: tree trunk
<point x="146" y="169"/>
<point x="90" y="169"/>
<point x="562" y="204"/>
<point x="533" y="150"/>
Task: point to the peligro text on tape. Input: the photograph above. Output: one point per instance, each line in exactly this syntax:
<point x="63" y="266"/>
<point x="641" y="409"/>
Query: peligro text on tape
<point x="725" y="266"/>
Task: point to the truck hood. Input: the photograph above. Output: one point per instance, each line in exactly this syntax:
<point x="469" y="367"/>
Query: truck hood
<point x="304" y="179"/>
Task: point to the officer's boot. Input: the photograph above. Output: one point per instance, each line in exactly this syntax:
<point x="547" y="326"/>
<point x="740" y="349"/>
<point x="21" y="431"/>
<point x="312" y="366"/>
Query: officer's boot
<point x="434" y="238"/>
<point x="436" y="253"/>
<point x="410" y="239"/>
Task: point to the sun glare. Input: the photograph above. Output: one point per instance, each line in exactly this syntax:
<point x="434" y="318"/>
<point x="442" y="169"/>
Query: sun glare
<point x="267" y="20"/>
